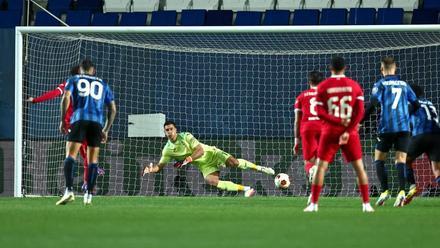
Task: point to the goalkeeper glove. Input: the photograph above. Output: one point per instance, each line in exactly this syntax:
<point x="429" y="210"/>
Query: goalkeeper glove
<point x="180" y="164"/>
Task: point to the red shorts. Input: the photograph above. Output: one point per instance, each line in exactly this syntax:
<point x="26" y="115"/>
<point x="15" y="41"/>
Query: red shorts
<point x="329" y="146"/>
<point x="310" y="142"/>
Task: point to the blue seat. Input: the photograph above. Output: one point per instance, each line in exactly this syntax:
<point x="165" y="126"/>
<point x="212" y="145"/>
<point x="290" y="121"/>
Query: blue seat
<point x="362" y="16"/>
<point x="431" y="4"/>
<point x="78" y="18"/>
<point x="61" y="6"/>
<point x="42" y="18"/>
<point x="306" y="17"/>
<point x="390" y="16"/>
<point x="219" y="18"/>
<point x="333" y="17"/>
<point x="193" y="17"/>
<point x="105" y="19"/>
<point x="15" y="5"/>
<point x="277" y="17"/>
<point x="91" y="5"/>
<point x="133" y="19"/>
<point x="424" y="16"/>
<point x="164" y="18"/>
<point x="248" y="18"/>
<point x="10" y="19"/>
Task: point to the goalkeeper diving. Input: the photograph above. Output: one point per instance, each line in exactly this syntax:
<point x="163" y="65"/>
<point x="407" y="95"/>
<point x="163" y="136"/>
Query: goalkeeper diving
<point x="184" y="148"/>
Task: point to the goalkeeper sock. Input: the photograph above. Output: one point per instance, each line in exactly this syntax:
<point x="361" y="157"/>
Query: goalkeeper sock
<point x="401" y="174"/>
<point x="93" y="173"/>
<point x="68" y="172"/>
<point x="382" y="174"/>
<point x="364" y="193"/>
<point x="230" y="186"/>
<point x="409" y="175"/>
<point x="244" y="164"/>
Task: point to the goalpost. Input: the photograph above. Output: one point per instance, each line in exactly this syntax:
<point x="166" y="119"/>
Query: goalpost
<point x="232" y="87"/>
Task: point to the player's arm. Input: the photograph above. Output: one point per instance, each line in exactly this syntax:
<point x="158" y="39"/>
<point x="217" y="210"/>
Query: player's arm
<point x="296" y="130"/>
<point x="197" y="148"/>
<point x="376" y="94"/>
<point x="111" y="114"/>
<point x="47" y="96"/>
<point x="358" y="114"/>
<point x="153" y="168"/>
<point x="65" y="102"/>
<point x="412" y="98"/>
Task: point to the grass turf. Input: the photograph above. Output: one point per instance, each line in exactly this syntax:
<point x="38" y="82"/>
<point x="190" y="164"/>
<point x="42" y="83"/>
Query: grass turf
<point x="215" y="222"/>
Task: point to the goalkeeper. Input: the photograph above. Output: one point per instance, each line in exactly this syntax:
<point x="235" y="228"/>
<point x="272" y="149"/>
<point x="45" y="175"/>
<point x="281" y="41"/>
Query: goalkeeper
<point x="185" y="149"/>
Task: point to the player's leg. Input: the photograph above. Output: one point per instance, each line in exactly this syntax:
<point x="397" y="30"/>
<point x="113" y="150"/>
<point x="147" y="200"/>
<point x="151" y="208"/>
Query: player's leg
<point x="434" y="156"/>
<point x="401" y="144"/>
<point x="214" y="180"/>
<point x="93" y="138"/>
<point x="310" y="142"/>
<point x="83" y="153"/>
<point x="243" y="164"/>
<point x="415" y="149"/>
<point x="69" y="162"/>
<point x="380" y="154"/>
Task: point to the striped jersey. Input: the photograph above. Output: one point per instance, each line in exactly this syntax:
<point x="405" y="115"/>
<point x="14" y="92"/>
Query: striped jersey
<point x="425" y="119"/>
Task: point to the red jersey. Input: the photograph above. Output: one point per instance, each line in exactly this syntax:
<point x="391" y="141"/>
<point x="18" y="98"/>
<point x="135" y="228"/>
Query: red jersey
<point x="338" y="98"/>
<point x="306" y="103"/>
<point x="55" y="93"/>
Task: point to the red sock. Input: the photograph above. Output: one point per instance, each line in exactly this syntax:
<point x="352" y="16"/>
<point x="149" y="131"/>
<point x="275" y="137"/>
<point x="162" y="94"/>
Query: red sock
<point x="364" y="193"/>
<point x="316" y="190"/>
<point x="307" y="167"/>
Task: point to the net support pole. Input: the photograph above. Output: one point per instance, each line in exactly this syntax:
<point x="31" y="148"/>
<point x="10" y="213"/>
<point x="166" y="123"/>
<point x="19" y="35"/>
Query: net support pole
<point x="18" y="137"/>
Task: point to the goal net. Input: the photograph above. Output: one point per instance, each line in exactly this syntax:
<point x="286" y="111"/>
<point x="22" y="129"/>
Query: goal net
<point x="232" y="88"/>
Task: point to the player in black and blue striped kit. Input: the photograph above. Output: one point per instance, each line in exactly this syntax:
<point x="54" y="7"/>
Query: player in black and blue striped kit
<point x="425" y="139"/>
<point x="89" y="95"/>
<point x="394" y="97"/>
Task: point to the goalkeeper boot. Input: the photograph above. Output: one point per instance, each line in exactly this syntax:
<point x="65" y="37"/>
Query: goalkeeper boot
<point x="250" y="192"/>
<point x="411" y="193"/>
<point x="67" y="197"/>
<point x="267" y="170"/>
<point x="367" y="208"/>
<point x="400" y="199"/>
<point x="383" y="197"/>
<point x="312" y="207"/>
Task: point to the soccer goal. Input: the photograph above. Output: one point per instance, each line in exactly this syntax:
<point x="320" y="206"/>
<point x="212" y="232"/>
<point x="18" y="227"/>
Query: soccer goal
<point x="231" y="87"/>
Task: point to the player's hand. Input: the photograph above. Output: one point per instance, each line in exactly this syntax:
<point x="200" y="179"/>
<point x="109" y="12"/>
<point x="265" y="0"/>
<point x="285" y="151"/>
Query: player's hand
<point x="104" y="137"/>
<point x="296" y="146"/>
<point x="30" y="99"/>
<point x="343" y="139"/>
<point x="63" y="127"/>
<point x="345" y="122"/>
<point x="180" y="164"/>
<point x="148" y="169"/>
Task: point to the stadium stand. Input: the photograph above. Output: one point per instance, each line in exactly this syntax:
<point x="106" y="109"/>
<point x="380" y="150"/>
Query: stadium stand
<point x="42" y="18"/>
<point x="117" y="6"/>
<point x="193" y="17"/>
<point x="424" y="16"/>
<point x="145" y="5"/>
<point x="78" y="17"/>
<point x="276" y="17"/>
<point x="164" y="18"/>
<point x="206" y="4"/>
<point x="431" y="4"/>
<point x="375" y="4"/>
<point x="261" y="5"/>
<point x="178" y="5"/>
<point x="133" y="19"/>
<point x="406" y="5"/>
<point x="105" y="19"/>
<point x="333" y="17"/>
<point x="219" y="18"/>
<point x="317" y="4"/>
<point x="15" y="5"/>
<point x="306" y="17"/>
<point x="248" y="18"/>
<point x="235" y="5"/>
<point x="10" y="19"/>
<point x="289" y="4"/>
<point x="61" y="6"/>
<point x="91" y="5"/>
<point x="362" y="16"/>
<point x="347" y="4"/>
<point x="390" y="16"/>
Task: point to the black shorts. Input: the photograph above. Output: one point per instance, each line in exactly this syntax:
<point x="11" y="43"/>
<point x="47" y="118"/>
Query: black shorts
<point x="428" y="143"/>
<point x="400" y="141"/>
<point x="86" y="130"/>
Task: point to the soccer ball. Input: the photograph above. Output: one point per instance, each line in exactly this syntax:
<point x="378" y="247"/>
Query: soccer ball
<point x="282" y="181"/>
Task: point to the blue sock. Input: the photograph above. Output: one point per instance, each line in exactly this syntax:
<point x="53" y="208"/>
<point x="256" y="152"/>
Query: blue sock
<point x="68" y="172"/>
<point x="401" y="173"/>
<point x="93" y="173"/>
<point x="382" y="174"/>
<point x="409" y="175"/>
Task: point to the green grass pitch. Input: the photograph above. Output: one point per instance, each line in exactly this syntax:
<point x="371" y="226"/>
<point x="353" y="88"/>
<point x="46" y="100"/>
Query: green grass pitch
<point x="215" y="222"/>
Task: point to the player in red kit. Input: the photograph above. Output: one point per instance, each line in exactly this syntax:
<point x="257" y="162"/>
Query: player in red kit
<point x="307" y="126"/>
<point x="59" y="91"/>
<point x="340" y="105"/>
